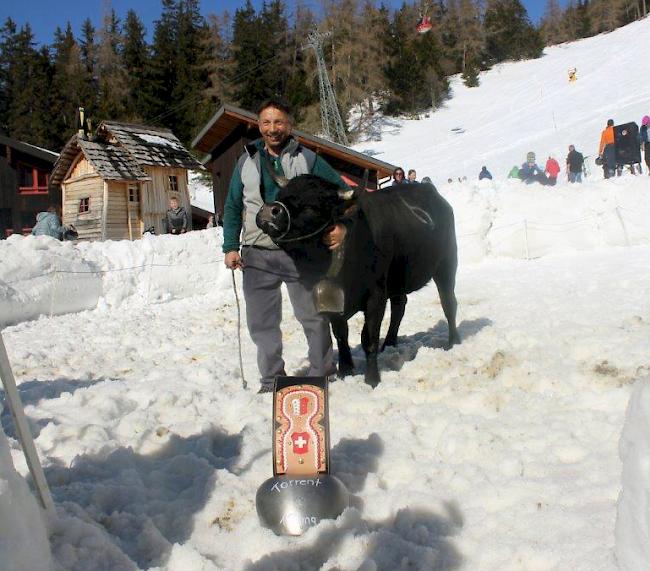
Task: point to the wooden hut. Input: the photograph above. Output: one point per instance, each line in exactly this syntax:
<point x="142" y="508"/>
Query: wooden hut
<point x="225" y="134"/>
<point x="117" y="183"/>
<point x="25" y="188"/>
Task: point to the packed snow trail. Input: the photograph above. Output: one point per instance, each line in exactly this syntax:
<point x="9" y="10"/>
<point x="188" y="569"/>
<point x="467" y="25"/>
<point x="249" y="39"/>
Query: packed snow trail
<point x="499" y="454"/>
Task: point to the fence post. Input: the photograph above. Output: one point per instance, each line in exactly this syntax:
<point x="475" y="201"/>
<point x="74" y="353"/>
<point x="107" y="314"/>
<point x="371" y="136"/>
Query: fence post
<point x="153" y="256"/>
<point x="526" y="239"/>
<point x="620" y="219"/>
<point x="54" y="282"/>
<point x="23" y="432"/>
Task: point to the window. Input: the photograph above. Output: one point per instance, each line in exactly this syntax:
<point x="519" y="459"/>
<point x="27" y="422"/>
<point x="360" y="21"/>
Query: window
<point x="134" y="193"/>
<point x="173" y="183"/>
<point x="84" y="205"/>
<point x="32" y="180"/>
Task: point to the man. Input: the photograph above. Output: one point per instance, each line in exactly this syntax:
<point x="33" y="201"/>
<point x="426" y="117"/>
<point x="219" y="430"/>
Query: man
<point x="177" y="221"/>
<point x="265" y="266"/>
<point x="606" y="149"/>
<point x="412" y="177"/>
<point x="574" y="164"/>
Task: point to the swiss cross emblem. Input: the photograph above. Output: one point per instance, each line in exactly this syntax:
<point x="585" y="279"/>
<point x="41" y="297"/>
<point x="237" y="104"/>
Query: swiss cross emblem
<point x="300" y="442"/>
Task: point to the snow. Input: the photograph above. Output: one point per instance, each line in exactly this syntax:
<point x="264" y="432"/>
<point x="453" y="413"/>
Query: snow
<point x="633" y="522"/>
<point x="158" y="140"/>
<point x="201" y="192"/>
<point x="525" y="447"/>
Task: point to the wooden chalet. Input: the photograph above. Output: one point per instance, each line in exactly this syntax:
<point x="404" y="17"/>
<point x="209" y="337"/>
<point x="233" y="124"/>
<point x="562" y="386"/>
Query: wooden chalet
<point x="25" y="188"/>
<point x="224" y="136"/>
<point x="117" y="183"/>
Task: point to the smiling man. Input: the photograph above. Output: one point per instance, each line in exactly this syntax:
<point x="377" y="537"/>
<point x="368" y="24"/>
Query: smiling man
<point x="265" y="266"/>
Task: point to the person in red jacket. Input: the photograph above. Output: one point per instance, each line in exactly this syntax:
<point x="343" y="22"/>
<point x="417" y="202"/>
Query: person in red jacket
<point x="552" y="170"/>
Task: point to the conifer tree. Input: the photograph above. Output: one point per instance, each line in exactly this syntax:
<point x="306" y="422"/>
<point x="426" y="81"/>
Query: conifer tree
<point x="509" y="33"/>
<point x="23" y="85"/>
<point x="69" y="88"/>
<point x="111" y="74"/>
<point x="551" y="25"/>
<point x="135" y="57"/>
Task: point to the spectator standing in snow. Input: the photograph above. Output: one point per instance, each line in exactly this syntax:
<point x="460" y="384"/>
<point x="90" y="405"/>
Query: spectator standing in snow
<point x="552" y="170"/>
<point x="398" y="176"/>
<point x="210" y="223"/>
<point x="177" y="221"/>
<point x="412" y="176"/>
<point x="574" y="164"/>
<point x="530" y="172"/>
<point x="266" y="267"/>
<point x="606" y="150"/>
<point x="484" y="174"/>
<point x="644" y="137"/>
<point x="49" y="224"/>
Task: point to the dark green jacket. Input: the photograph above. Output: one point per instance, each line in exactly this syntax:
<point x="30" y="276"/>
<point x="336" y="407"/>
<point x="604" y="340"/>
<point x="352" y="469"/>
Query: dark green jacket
<point x="244" y="196"/>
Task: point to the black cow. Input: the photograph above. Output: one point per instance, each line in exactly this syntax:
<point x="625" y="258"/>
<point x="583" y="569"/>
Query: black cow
<point x="398" y="239"/>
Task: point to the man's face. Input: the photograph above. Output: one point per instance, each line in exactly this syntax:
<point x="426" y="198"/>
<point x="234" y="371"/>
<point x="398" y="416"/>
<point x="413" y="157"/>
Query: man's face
<point x="275" y="127"/>
<point x="412" y="176"/>
<point x="399" y="176"/>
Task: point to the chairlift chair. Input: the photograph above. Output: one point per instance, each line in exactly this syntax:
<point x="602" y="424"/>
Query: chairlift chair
<point x="424" y="23"/>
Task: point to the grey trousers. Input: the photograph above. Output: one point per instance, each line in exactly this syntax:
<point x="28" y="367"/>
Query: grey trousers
<point x="264" y="272"/>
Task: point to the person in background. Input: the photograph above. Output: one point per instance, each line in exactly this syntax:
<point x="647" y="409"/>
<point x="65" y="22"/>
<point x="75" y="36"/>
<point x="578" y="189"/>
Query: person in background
<point x="514" y="172"/>
<point x="398" y="176"/>
<point x="484" y="174"/>
<point x="530" y="172"/>
<point x="551" y="170"/>
<point x="574" y="163"/>
<point x="210" y="223"/>
<point x="49" y="224"/>
<point x="427" y="180"/>
<point x="177" y="221"/>
<point x="644" y="137"/>
<point x="606" y="149"/>
<point x="449" y="181"/>
<point x="412" y="176"/>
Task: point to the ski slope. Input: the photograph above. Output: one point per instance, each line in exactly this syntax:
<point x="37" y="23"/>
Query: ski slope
<point x="523" y="448"/>
<point x="527" y="106"/>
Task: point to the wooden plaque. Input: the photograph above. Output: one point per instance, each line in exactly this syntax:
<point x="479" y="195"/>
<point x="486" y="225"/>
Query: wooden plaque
<point x="300" y="427"/>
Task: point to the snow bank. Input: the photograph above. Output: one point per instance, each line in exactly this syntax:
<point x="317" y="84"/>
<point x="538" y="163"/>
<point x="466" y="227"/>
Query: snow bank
<point x="24" y="544"/>
<point x="633" y="522"/>
<point x="42" y="276"/>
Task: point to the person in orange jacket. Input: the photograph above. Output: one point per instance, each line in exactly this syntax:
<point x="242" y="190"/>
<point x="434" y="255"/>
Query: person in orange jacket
<point x="552" y="170"/>
<point x="606" y="150"/>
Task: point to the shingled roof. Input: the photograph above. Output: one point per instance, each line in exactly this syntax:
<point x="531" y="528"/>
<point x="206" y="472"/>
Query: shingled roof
<point x="119" y="151"/>
<point x="154" y="146"/>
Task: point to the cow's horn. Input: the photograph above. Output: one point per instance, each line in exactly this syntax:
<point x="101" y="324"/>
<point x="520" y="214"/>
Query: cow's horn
<point x="346" y="194"/>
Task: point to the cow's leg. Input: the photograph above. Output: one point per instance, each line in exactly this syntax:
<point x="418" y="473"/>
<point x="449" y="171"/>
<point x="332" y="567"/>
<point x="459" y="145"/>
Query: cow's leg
<point x="445" y="280"/>
<point x="397" y="309"/>
<point x="370" y="335"/>
<point x="340" y="331"/>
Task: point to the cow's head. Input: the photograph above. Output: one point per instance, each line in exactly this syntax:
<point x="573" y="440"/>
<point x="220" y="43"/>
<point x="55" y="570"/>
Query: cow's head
<point x="305" y="207"/>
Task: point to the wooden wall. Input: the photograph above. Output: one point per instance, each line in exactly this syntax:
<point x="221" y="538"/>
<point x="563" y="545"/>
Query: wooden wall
<point x="155" y="196"/>
<point x="18" y="211"/>
<point x="88" y="224"/>
<point x="117" y="222"/>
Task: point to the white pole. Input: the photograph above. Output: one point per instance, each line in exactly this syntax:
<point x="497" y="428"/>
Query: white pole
<point x="22" y="430"/>
<point x="526" y="239"/>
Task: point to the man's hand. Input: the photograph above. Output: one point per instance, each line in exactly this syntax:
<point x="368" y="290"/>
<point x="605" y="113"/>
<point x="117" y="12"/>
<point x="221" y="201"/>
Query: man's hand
<point x="334" y="237"/>
<point x="233" y="260"/>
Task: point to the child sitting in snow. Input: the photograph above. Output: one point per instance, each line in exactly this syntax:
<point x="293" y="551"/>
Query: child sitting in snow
<point x="530" y="172"/>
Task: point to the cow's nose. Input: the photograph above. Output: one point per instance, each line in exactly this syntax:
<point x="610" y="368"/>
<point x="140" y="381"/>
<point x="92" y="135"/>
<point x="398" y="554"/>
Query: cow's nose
<point x="275" y="211"/>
